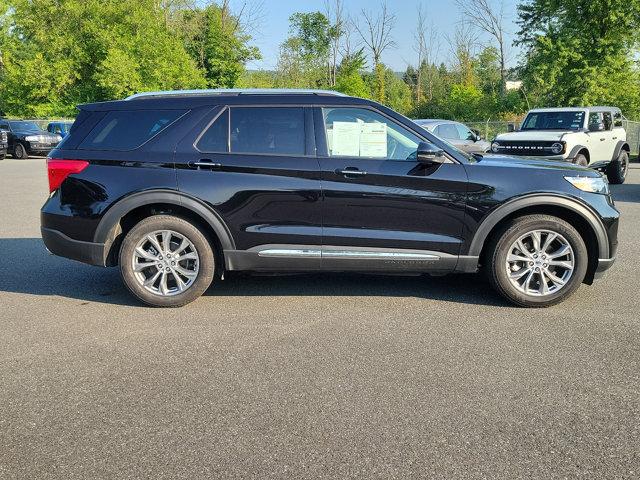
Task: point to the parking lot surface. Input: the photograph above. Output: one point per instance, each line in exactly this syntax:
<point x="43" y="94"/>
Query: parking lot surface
<point x="316" y="376"/>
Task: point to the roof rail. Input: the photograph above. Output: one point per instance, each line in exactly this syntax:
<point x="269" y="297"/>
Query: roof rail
<point x="235" y="91"/>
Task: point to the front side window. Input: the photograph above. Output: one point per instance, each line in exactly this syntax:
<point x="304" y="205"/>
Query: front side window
<point x="268" y="130"/>
<point x="128" y="129"/>
<point x="360" y="132"/>
<point x="554" y="121"/>
<point x="465" y="132"/>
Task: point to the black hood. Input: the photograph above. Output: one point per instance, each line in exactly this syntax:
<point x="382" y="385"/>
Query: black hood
<point x="535" y="163"/>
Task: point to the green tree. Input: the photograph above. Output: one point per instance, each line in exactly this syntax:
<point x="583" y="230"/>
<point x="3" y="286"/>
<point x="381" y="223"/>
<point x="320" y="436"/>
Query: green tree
<point x="349" y="78"/>
<point x="580" y="52"/>
<point x="59" y="54"/>
<point x="217" y="41"/>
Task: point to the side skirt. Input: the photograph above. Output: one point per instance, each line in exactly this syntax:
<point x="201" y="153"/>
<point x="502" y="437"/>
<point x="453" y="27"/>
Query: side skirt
<point x="302" y="258"/>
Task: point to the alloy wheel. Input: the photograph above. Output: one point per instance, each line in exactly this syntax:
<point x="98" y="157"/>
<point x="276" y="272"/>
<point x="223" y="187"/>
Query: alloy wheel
<point x="165" y="263"/>
<point x="540" y="263"/>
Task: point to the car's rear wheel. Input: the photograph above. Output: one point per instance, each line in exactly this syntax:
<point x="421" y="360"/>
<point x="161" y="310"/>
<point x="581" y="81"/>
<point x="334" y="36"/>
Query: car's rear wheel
<point x="537" y="260"/>
<point x="617" y="169"/>
<point x="166" y="261"/>
<point x="20" y="152"/>
<point x="581" y="160"/>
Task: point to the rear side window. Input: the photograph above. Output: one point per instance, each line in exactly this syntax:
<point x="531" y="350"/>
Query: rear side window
<point x="214" y="139"/>
<point x="128" y="129"/>
<point x="270" y="130"/>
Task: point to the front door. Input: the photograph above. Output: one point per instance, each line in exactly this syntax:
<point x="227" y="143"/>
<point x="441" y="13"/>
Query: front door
<point x="255" y="166"/>
<point x="382" y="209"/>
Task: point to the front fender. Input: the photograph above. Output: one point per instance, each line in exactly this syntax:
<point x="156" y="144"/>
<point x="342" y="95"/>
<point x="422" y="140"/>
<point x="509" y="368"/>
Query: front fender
<point x="512" y="206"/>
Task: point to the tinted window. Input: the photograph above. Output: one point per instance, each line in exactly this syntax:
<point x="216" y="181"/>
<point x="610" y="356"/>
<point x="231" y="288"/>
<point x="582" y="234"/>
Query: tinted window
<point x="4" y="126"/>
<point x="360" y="132"/>
<point x="608" y="120"/>
<point x="268" y="130"/>
<point x="126" y="130"/>
<point x="216" y="136"/>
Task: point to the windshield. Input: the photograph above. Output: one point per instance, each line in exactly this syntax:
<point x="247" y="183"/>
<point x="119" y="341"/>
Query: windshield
<point x="554" y="121"/>
<point x="25" y="126"/>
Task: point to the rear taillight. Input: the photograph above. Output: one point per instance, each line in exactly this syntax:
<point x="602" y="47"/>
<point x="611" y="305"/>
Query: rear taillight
<point x="59" y="169"/>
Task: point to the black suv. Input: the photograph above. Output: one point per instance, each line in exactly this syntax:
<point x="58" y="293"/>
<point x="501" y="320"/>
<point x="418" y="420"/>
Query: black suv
<point x="27" y="138"/>
<point x="178" y="187"/>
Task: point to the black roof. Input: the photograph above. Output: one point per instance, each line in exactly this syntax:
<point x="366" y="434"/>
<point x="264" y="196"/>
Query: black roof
<point x="180" y="100"/>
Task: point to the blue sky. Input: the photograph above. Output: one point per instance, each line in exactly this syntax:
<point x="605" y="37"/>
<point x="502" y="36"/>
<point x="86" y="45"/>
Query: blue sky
<point x="442" y="14"/>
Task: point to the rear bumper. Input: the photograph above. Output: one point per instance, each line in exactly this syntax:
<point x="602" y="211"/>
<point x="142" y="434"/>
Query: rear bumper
<point x="86" y="252"/>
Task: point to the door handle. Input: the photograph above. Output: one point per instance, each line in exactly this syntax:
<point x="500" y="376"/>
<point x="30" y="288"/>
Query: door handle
<point x="205" y="163"/>
<point x="615" y="138"/>
<point x="602" y="139"/>
<point x="351" y="171"/>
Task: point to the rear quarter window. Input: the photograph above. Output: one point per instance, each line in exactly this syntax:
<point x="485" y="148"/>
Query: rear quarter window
<point x="128" y="129"/>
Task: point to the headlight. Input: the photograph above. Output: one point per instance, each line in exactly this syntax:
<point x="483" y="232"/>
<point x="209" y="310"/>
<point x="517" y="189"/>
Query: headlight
<point x="589" y="184"/>
<point x="557" y="148"/>
<point x="31" y="138"/>
<point x="495" y="147"/>
<point x="57" y="137"/>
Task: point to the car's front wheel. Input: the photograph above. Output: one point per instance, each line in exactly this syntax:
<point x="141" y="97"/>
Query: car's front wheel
<point x="166" y="261"/>
<point x="537" y="260"/>
<point x="617" y="169"/>
<point x="20" y="152"/>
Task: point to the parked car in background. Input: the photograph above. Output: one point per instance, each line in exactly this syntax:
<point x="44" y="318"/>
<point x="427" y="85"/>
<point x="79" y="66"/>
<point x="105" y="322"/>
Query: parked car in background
<point x="587" y="136"/>
<point x="4" y="136"/>
<point x="27" y="138"/>
<point x="457" y="134"/>
<point x="59" y="128"/>
<point x="178" y="188"/>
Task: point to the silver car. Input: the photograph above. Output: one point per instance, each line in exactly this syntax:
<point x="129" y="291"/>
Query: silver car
<point x="457" y="134"/>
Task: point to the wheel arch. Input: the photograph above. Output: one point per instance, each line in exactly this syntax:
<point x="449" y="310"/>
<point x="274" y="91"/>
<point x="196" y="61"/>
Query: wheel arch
<point x="124" y="214"/>
<point x="578" y="215"/>
<point x="621" y="145"/>
<point x="579" y="149"/>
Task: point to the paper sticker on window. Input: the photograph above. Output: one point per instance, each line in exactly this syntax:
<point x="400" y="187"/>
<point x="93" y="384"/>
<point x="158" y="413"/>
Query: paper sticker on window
<point x="346" y="139"/>
<point x="373" y="140"/>
<point x="358" y="139"/>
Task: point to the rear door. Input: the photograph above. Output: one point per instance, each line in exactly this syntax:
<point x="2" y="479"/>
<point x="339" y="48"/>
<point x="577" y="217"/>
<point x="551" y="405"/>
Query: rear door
<point x="382" y="208"/>
<point x="255" y="166"/>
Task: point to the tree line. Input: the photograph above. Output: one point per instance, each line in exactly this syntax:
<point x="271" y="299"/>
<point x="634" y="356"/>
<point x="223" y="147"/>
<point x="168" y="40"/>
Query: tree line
<point x="57" y="54"/>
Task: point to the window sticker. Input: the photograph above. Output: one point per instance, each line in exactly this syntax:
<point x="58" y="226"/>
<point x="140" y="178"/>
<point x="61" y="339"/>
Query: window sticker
<point x="373" y="140"/>
<point x="346" y="139"/>
<point x="359" y="139"/>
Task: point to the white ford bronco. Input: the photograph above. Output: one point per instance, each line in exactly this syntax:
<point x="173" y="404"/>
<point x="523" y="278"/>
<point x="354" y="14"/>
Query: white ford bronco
<point x="587" y="136"/>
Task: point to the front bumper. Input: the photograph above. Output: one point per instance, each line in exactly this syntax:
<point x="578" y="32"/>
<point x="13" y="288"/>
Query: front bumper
<point x="604" y="264"/>
<point x="60" y="244"/>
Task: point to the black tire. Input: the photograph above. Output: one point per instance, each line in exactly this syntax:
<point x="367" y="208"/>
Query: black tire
<point x="500" y="244"/>
<point x="581" y="160"/>
<point x="20" y="152"/>
<point x="617" y="169"/>
<point x="198" y="239"/>
<point x="2" y="157"/>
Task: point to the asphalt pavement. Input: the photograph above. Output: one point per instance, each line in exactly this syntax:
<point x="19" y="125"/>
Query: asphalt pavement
<point x="315" y="376"/>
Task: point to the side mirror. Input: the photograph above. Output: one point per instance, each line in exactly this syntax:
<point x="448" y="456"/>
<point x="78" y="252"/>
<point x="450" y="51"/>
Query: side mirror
<point x="596" y="127"/>
<point x="428" y="153"/>
<point x="511" y="127"/>
<point x="477" y="134"/>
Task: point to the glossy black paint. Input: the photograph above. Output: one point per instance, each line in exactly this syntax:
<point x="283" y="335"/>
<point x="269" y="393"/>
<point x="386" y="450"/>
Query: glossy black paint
<point x="258" y="200"/>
